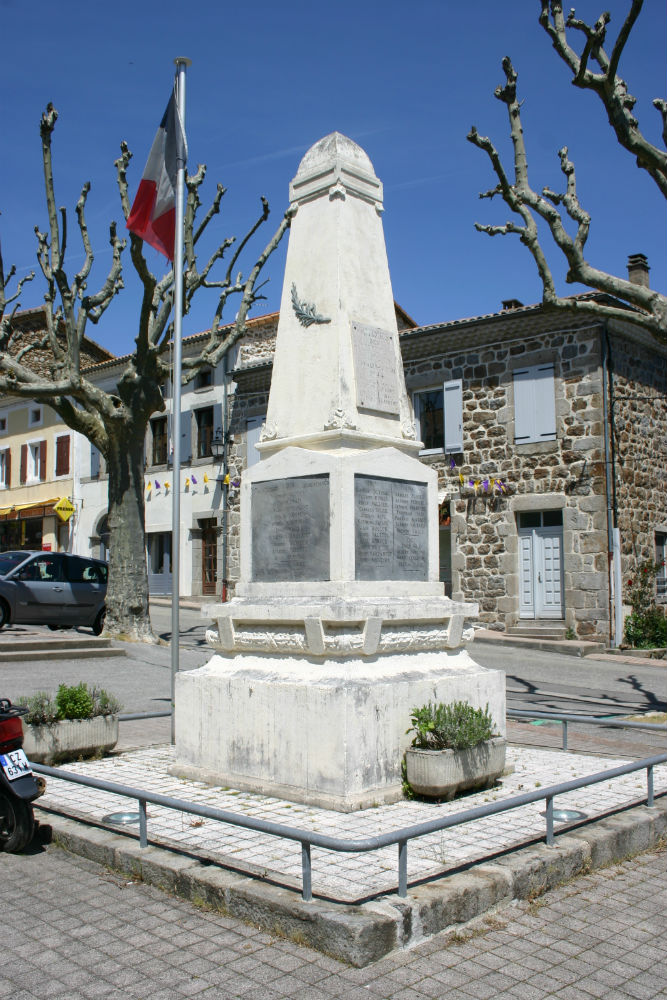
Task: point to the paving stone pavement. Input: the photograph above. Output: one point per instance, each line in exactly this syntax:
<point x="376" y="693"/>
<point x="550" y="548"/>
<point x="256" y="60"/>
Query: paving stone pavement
<point x="76" y="931"/>
<point x="346" y="877"/>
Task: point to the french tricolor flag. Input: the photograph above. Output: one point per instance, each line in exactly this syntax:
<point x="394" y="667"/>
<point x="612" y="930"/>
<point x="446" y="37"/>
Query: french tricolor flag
<point x="153" y="214"/>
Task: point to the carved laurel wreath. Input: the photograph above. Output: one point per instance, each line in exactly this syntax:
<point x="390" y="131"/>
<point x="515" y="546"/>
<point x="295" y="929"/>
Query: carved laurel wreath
<point x="305" y="311"/>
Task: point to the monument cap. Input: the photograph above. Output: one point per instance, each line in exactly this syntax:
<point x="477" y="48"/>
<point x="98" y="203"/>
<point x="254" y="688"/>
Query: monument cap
<point x="336" y="165"/>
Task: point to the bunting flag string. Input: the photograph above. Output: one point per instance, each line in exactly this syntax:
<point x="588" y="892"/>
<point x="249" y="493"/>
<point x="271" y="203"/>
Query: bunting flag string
<point x="154" y="485"/>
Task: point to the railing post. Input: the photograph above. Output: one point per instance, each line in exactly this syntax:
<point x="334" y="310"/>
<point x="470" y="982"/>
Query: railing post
<point x="402" y="868"/>
<point x="143" y="832"/>
<point x="550" y="821"/>
<point x="649" y="786"/>
<point x="306" y="873"/>
<point x="564" y="725"/>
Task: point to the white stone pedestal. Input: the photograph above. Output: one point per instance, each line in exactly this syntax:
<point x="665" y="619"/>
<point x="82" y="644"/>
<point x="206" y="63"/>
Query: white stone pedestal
<point x="313" y="705"/>
<point x="324" y="733"/>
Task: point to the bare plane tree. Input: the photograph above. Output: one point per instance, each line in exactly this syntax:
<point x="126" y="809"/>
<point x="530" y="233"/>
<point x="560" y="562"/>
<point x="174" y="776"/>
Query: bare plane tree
<point x="597" y="70"/>
<point x="116" y="422"/>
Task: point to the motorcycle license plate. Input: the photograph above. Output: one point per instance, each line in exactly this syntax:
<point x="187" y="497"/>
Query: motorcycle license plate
<point x="15" y="764"/>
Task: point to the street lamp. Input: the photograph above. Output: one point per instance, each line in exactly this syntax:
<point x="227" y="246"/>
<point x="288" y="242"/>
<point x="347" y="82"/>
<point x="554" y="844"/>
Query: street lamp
<point x="218" y="445"/>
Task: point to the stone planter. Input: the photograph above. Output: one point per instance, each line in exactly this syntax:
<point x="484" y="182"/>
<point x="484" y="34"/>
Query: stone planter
<point x="70" y="739"/>
<point x="442" y="774"/>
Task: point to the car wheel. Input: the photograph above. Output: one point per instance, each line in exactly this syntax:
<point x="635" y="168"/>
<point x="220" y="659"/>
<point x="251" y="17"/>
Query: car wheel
<point x="17" y="823"/>
<point x="98" y="624"/>
<point x="4" y="614"/>
<point x="54" y="628"/>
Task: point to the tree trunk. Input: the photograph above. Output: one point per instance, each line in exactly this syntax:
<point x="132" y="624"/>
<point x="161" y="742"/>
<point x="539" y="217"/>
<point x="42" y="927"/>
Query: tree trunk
<point x="127" y="592"/>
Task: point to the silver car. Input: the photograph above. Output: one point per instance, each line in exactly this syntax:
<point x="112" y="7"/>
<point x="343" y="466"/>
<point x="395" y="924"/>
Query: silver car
<point x="52" y="588"/>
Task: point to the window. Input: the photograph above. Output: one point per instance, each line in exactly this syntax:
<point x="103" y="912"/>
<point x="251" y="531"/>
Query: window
<point x="33" y="462"/>
<point x="160" y="436"/>
<point x="439" y="414"/>
<point x="42" y="569"/>
<point x="5" y="469"/>
<point x="534" y="404"/>
<point x="62" y="455"/>
<point x="3" y="425"/>
<point x="81" y="570"/>
<point x="34" y="416"/>
<point x="661" y="559"/>
<point x="204" y="379"/>
<point x="204" y="431"/>
<point x="540" y="519"/>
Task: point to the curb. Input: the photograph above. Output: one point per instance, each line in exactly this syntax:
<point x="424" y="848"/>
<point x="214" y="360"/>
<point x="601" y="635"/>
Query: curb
<point x="362" y="933"/>
<point x="571" y="647"/>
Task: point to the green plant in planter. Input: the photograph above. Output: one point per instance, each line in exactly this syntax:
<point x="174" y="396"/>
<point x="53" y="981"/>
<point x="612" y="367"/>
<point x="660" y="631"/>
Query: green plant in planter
<point x="457" y="726"/>
<point x="41" y="707"/>
<point x="76" y="701"/>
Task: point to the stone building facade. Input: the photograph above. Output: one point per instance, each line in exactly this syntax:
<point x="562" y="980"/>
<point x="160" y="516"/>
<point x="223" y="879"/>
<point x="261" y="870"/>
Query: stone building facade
<point x="548" y="432"/>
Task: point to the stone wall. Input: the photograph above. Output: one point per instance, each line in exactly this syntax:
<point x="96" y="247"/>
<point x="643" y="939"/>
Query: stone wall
<point x="566" y="474"/>
<point x="638" y="377"/>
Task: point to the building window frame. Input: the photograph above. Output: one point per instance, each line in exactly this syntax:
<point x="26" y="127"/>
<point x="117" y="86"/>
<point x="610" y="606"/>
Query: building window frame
<point x="444" y="413"/>
<point x="159" y="440"/>
<point x="661" y="560"/>
<point x="35" y="416"/>
<point x="205" y="421"/>
<point x="62" y="461"/>
<point x="35" y="463"/>
<point x="5" y="468"/>
<point x="534" y="388"/>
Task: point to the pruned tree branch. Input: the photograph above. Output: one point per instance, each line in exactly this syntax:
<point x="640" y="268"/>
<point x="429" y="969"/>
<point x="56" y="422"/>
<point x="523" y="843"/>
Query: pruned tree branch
<point x="607" y="84"/>
<point x="649" y="307"/>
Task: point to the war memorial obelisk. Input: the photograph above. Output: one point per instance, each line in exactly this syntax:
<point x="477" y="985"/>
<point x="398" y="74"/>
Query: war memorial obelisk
<point x="339" y="625"/>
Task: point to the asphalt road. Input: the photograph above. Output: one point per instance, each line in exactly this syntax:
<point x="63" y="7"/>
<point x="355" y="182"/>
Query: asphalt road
<point x="602" y="686"/>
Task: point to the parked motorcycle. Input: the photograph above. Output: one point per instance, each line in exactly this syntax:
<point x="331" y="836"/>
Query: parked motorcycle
<point x="19" y="787"/>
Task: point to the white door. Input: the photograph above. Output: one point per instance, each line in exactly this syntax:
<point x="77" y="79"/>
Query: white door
<point x="541" y="572"/>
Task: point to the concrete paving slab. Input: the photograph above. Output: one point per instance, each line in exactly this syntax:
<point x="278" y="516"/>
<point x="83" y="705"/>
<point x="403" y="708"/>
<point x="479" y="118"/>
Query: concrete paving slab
<point x="454" y="875"/>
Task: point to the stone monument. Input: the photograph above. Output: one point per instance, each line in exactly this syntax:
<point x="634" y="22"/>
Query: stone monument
<point x="339" y="625"/>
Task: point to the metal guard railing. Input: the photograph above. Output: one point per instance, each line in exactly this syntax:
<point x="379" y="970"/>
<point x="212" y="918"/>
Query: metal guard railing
<point x="565" y="717"/>
<point x="309" y="839"/>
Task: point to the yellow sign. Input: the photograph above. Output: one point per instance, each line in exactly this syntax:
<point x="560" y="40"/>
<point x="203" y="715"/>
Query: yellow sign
<point x="64" y="508"/>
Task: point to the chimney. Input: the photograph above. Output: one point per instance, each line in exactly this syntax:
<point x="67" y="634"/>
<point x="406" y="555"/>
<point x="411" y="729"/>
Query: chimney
<point x="638" y="269"/>
<point x="511" y="304"/>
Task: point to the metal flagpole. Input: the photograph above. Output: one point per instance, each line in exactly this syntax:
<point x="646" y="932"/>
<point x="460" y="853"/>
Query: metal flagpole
<point x="181" y="64"/>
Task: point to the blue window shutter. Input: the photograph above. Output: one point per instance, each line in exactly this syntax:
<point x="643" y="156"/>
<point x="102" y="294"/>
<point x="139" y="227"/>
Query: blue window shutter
<point x="453" y="412"/>
<point x="186" y="436"/>
<point x="545" y="403"/>
<point x="534" y="404"/>
<point x="94" y="462"/>
<point x="217" y="419"/>
<point x="523" y="405"/>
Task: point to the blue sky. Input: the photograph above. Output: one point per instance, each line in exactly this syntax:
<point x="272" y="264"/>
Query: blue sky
<point x="268" y="79"/>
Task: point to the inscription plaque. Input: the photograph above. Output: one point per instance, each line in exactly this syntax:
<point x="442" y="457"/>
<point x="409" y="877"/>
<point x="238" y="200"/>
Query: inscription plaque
<point x="390" y="529"/>
<point x="375" y="369"/>
<point x="290" y="529"/>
